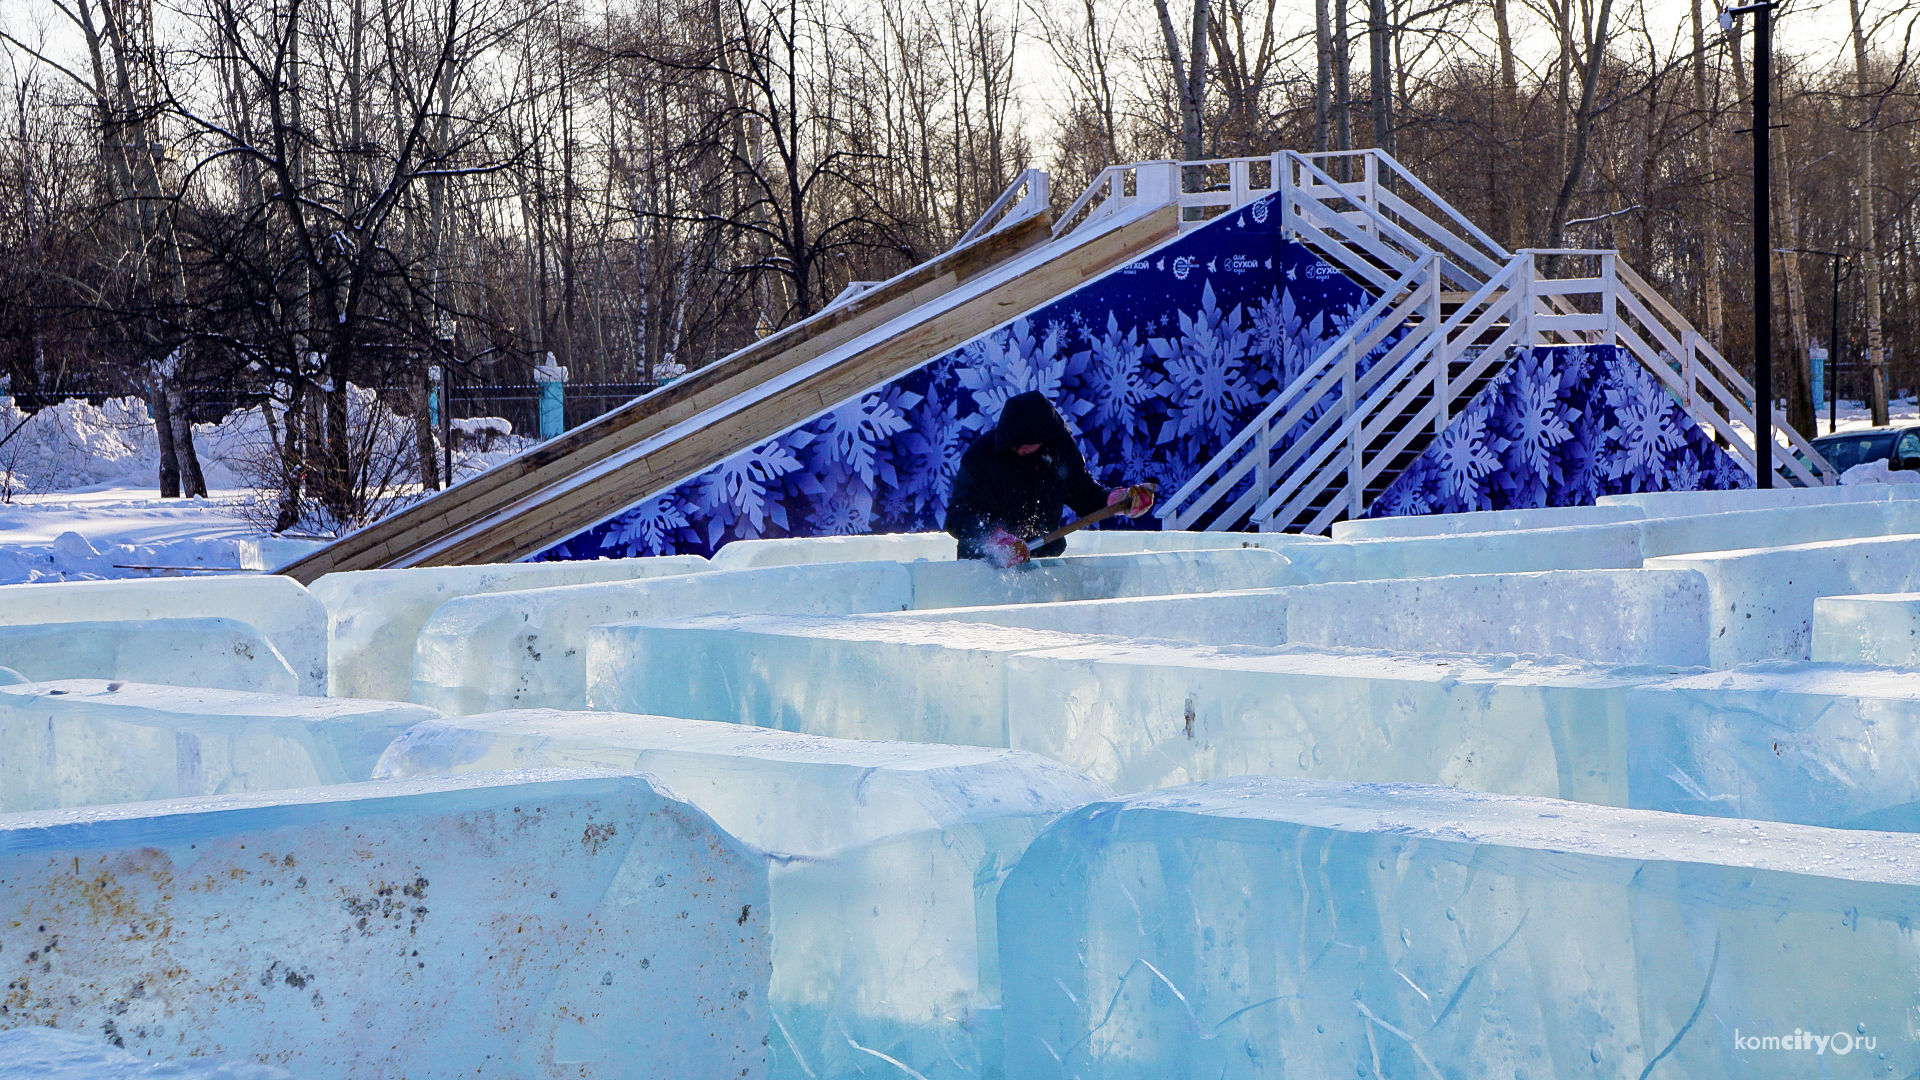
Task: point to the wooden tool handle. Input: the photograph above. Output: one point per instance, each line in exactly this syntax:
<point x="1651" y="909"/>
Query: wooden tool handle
<point x="1101" y="514"/>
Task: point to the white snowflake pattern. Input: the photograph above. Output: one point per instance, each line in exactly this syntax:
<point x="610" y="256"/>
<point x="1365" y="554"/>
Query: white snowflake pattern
<point x="742" y="483"/>
<point x="1644" y="433"/>
<point x="1538" y="421"/>
<point x="853" y="434"/>
<point x="1204" y="364"/>
<point x="1465" y="454"/>
<point x="646" y="528"/>
<point x="1117" y="379"/>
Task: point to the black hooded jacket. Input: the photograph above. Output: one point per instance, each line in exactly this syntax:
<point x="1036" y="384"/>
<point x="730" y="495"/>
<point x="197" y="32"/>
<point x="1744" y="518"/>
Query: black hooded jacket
<point x="996" y="487"/>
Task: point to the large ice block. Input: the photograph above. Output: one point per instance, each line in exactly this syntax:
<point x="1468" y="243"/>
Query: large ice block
<point x="973" y="583"/>
<point x="1762" y="599"/>
<point x="1818" y="744"/>
<point x="793" y="551"/>
<point x="1241" y="617"/>
<point x="1482" y="521"/>
<point x="885" y="860"/>
<point x="1568" y="547"/>
<point x="373" y="616"/>
<point x="1609" y="616"/>
<point x="212" y="651"/>
<point x="1870" y="629"/>
<point x="527" y="649"/>
<point x="279" y="607"/>
<point x="845" y="677"/>
<point x="1685" y="503"/>
<point x="1264" y="927"/>
<point x="1132" y="541"/>
<point x="1777" y="527"/>
<point x="549" y="923"/>
<point x="86" y="742"/>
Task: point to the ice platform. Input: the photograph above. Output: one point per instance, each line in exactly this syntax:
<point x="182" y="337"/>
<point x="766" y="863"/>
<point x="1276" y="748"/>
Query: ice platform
<point x="211" y="651"/>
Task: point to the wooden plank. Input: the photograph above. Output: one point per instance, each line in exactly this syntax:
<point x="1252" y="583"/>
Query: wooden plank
<point x="542" y="518"/>
<point x="473" y="499"/>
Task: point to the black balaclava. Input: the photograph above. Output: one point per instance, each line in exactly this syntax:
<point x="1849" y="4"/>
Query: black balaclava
<point x="1028" y="418"/>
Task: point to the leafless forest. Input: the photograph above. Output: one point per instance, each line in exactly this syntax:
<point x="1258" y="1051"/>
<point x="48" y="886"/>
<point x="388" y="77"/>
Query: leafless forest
<point x="278" y="198"/>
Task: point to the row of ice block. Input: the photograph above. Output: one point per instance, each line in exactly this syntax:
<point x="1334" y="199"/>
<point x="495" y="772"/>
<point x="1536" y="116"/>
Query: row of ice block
<point x="527" y="649"/>
<point x="853" y="921"/>
<point x="765" y="904"/>
<point x="1803" y="742"/>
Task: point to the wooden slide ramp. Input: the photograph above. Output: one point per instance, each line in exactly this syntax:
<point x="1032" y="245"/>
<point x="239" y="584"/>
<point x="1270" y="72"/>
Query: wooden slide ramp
<point x="590" y="473"/>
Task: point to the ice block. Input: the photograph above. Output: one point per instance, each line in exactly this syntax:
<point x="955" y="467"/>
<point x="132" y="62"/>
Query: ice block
<point x="1818" y="744"/>
<point x="527" y="649"/>
<point x="545" y="923"/>
<point x="1239" y="617"/>
<point x="1607" y="616"/>
<point x="38" y="1053"/>
<point x="1762" y="599"/>
<point x="1869" y="629"/>
<point x="874" y="547"/>
<point x="213" y="651"/>
<point x="840" y="676"/>
<point x="1133" y="541"/>
<point x="282" y="610"/>
<point x="1482" y="521"/>
<point x="1568" y="547"/>
<point x="86" y="742"/>
<point x="885" y="859"/>
<point x="1264" y="927"/>
<point x="973" y="583"/>
<point x="1656" y="504"/>
<point x="373" y="616"/>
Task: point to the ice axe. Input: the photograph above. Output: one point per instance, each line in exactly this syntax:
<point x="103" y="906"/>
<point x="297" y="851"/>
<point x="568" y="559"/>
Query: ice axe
<point x="1102" y="514"/>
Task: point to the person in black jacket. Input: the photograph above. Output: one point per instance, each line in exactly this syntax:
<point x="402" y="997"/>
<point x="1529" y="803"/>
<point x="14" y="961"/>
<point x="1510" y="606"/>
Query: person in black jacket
<point x="1014" y="479"/>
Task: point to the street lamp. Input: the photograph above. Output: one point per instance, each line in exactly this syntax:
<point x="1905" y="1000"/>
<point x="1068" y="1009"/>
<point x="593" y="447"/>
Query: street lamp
<point x="1762" y="235"/>
<point x="1833" y="334"/>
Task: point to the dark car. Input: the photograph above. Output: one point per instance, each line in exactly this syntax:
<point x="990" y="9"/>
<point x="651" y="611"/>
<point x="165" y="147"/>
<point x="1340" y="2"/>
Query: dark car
<point x="1898" y="446"/>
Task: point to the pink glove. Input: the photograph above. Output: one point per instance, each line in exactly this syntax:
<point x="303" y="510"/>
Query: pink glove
<point x="1005" y="550"/>
<point x="1142" y="499"/>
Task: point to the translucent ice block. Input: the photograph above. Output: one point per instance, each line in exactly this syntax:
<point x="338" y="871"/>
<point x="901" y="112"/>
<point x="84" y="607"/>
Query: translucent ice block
<point x="1609" y="616"/>
<point x="1243" y="617"/>
<point x="973" y="583"/>
<point x="1683" y="503"/>
<point x="845" y="677"/>
<point x="549" y="923"/>
<point x="1762" y="599"/>
<point x="215" y="652"/>
<point x="86" y="742"/>
<point x="527" y="649"/>
<point x="1577" y="547"/>
<point x="1869" y="629"/>
<point x="39" y="1053"/>
<point x="373" y="616"/>
<point x="882" y="547"/>
<point x="1131" y="541"/>
<point x="1264" y="927"/>
<point x="1482" y="521"/>
<point x="1798" y="524"/>
<point x="885" y="862"/>
<point x="1818" y="744"/>
<point x="283" y="611"/>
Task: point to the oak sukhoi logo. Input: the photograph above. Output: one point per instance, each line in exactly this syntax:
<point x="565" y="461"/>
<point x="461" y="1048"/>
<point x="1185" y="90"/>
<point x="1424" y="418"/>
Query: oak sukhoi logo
<point x="1840" y="1043"/>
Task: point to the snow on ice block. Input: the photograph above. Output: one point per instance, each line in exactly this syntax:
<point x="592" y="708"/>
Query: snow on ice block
<point x="87" y="742"/>
<point x="874" y="547"/>
<point x="1143" y="716"/>
<point x="1130" y="541"/>
<point x="551" y="922"/>
<point x="1607" y="616"/>
<point x="885" y="862"/>
<point x="1817" y="744"/>
<point x="527" y="649"/>
<point x="973" y="583"/>
<point x="373" y="616"/>
<point x="845" y="677"/>
<point x="1761" y="600"/>
<point x="214" y="652"/>
<point x="1482" y="521"/>
<point x="1871" y="629"/>
<point x="1243" y="617"/>
<point x="39" y="1053"/>
<point x="1244" y="928"/>
<point x="279" y="607"/>
<point x="1660" y="536"/>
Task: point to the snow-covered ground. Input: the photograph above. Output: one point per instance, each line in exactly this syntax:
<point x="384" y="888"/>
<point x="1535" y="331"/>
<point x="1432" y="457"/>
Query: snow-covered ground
<point x="79" y="496"/>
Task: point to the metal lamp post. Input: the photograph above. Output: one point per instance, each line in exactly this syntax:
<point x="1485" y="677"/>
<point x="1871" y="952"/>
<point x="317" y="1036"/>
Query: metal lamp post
<point x="1762" y="235"/>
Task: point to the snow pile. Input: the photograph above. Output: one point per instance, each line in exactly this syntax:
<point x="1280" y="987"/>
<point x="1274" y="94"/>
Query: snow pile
<point x="77" y="445"/>
<point x="1877" y="472"/>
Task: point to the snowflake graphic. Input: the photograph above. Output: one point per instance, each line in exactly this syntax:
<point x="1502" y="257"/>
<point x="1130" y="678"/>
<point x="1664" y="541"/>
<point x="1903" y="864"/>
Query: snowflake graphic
<point x="648" y="528"/>
<point x="1465" y="454"/>
<point x="1644" y="432"/>
<point x="852" y="435"/>
<point x="1116" y="378"/>
<point x="1205" y="367"/>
